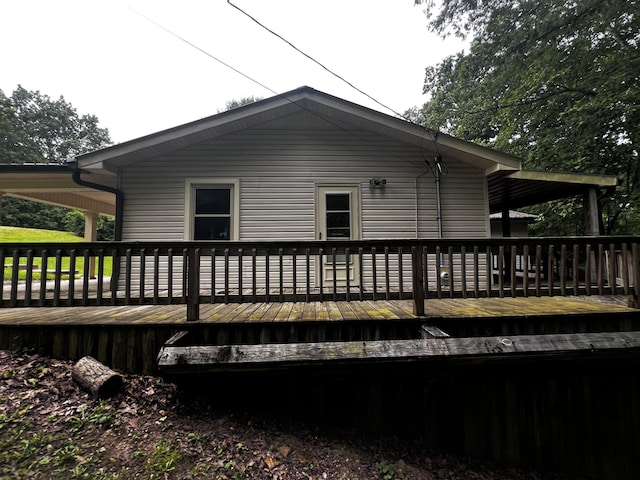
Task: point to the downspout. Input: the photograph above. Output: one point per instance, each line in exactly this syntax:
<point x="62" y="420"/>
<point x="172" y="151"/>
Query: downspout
<point x="75" y="175"/>
<point x="437" y="174"/>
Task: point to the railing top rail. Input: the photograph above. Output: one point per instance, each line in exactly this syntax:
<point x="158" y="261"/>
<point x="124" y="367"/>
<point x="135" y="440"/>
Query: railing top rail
<point x="314" y="246"/>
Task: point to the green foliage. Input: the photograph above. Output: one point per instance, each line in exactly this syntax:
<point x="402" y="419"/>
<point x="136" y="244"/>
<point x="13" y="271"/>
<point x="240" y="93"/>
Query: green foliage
<point x="386" y="471"/>
<point x="237" y="103"/>
<point x="38" y="129"/>
<point x="163" y="459"/>
<point x="553" y="82"/>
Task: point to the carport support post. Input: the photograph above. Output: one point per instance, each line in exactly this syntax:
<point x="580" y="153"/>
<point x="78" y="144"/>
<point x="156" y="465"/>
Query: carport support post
<point x="418" y="280"/>
<point x="91" y="235"/>
<point x="193" y="285"/>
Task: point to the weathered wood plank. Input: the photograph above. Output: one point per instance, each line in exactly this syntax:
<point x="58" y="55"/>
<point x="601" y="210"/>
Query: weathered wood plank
<point x="394" y="350"/>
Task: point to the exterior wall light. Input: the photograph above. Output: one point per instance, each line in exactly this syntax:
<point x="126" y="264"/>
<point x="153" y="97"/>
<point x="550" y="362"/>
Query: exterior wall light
<point x="377" y="182"/>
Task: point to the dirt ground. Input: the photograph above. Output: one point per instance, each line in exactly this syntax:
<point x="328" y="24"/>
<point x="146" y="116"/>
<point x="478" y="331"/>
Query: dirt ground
<point x="52" y="429"/>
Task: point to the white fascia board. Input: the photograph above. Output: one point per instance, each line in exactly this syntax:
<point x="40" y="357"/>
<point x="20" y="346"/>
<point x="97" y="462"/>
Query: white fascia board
<point x="582" y="179"/>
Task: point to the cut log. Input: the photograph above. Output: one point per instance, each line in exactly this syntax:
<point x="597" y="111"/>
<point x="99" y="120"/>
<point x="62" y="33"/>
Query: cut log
<point x="96" y="378"/>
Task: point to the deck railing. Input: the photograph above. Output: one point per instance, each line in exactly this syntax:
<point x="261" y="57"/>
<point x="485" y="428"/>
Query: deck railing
<point x="192" y="273"/>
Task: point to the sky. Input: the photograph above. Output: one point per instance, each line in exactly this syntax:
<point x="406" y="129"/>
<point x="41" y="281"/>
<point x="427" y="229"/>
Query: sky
<point x="122" y="60"/>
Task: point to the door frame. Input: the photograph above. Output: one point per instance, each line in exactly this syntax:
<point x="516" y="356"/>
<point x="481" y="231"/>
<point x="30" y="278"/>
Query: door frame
<point x="353" y="190"/>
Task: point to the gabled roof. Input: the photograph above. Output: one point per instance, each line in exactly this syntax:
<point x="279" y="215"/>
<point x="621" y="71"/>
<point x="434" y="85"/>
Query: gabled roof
<point x="307" y="99"/>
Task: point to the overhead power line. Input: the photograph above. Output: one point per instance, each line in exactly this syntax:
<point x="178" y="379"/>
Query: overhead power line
<point x="182" y="39"/>
<point x="314" y="60"/>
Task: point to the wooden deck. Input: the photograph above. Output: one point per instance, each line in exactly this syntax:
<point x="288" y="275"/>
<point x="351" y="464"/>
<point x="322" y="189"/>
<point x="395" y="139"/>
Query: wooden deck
<point x="329" y="311"/>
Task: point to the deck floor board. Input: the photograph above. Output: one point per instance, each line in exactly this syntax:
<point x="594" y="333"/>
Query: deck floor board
<point x="389" y="310"/>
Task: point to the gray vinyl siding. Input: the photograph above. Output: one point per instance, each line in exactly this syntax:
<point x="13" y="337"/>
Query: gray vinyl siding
<point x="280" y="165"/>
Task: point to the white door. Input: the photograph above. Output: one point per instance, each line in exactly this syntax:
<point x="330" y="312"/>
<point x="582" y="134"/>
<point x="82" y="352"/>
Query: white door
<point x="338" y="219"/>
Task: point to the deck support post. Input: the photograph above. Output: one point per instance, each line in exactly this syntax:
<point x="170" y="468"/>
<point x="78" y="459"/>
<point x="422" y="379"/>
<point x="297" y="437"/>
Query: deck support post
<point x="193" y="285"/>
<point x="418" y="280"/>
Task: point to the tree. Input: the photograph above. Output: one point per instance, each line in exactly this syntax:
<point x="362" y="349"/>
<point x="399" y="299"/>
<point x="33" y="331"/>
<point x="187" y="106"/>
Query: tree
<point x="36" y="129"/>
<point x="231" y="104"/>
<point x="554" y="82"/>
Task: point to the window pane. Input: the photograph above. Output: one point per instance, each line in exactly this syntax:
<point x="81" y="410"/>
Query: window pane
<point x="213" y="200"/>
<point x="338" y="201"/>
<point x="338" y="220"/>
<point x="212" y="228"/>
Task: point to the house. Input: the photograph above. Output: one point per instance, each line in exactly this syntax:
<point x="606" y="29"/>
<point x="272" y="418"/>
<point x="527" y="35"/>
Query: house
<point x="307" y="165"/>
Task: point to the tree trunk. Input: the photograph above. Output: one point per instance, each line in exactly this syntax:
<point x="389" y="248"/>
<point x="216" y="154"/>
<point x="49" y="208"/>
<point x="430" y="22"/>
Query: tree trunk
<point x="96" y="378"/>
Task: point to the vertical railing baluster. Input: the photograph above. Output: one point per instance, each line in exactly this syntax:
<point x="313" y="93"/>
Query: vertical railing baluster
<point x="240" y="273"/>
<point x="156" y="276"/>
<point x="588" y="262"/>
<point x="386" y="274"/>
<point x="576" y="268"/>
<point x="600" y="269"/>
<point x="438" y="273"/>
<point x="44" y="260"/>
<point x="308" y="274"/>
<point x="15" y="270"/>
<point x="463" y="270"/>
<point x="226" y="275"/>
<point x="193" y="284"/>
<point x="513" y="259"/>
<point x="127" y="287"/>
<point x="58" y="274"/>
<point x="501" y="271"/>
<point x="348" y="266"/>
<point x="185" y="279"/>
<point x="3" y="263"/>
<point x="254" y="275"/>
<point x="451" y="273"/>
<point x="295" y="274"/>
<point x="281" y="274"/>
<point x="562" y="270"/>
<point x="374" y="273"/>
<point x="213" y="275"/>
<point x="86" y="273"/>
<point x="142" y="279"/>
<point x="476" y="271"/>
<point x="550" y="270"/>
<point x="538" y="279"/>
<point x="29" y="278"/>
<point x="526" y="268"/>
<point x="335" y="274"/>
<point x="360" y="274"/>
<point x="100" y="279"/>
<point x="488" y="261"/>
<point x="400" y="273"/>
<point x="624" y="259"/>
<point x="611" y="271"/>
<point x="635" y="272"/>
<point x="425" y="268"/>
<point x="170" y="275"/>
<point x="321" y="273"/>
<point x="72" y="277"/>
<point x="267" y="275"/>
<point x="417" y="280"/>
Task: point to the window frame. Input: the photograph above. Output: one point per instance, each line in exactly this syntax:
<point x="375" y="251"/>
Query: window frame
<point x="193" y="184"/>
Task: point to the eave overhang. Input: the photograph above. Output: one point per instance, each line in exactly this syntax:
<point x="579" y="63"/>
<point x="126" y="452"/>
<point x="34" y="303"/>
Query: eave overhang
<point x="327" y="107"/>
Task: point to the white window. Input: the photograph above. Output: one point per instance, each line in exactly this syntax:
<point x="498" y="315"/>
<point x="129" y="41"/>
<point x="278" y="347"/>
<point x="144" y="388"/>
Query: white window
<point x="212" y="210"/>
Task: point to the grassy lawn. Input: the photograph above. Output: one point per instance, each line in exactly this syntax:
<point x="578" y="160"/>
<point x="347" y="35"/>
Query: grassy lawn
<point x="32" y="235"/>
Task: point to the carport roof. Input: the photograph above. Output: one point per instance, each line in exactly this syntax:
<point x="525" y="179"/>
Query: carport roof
<point x="53" y="184"/>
